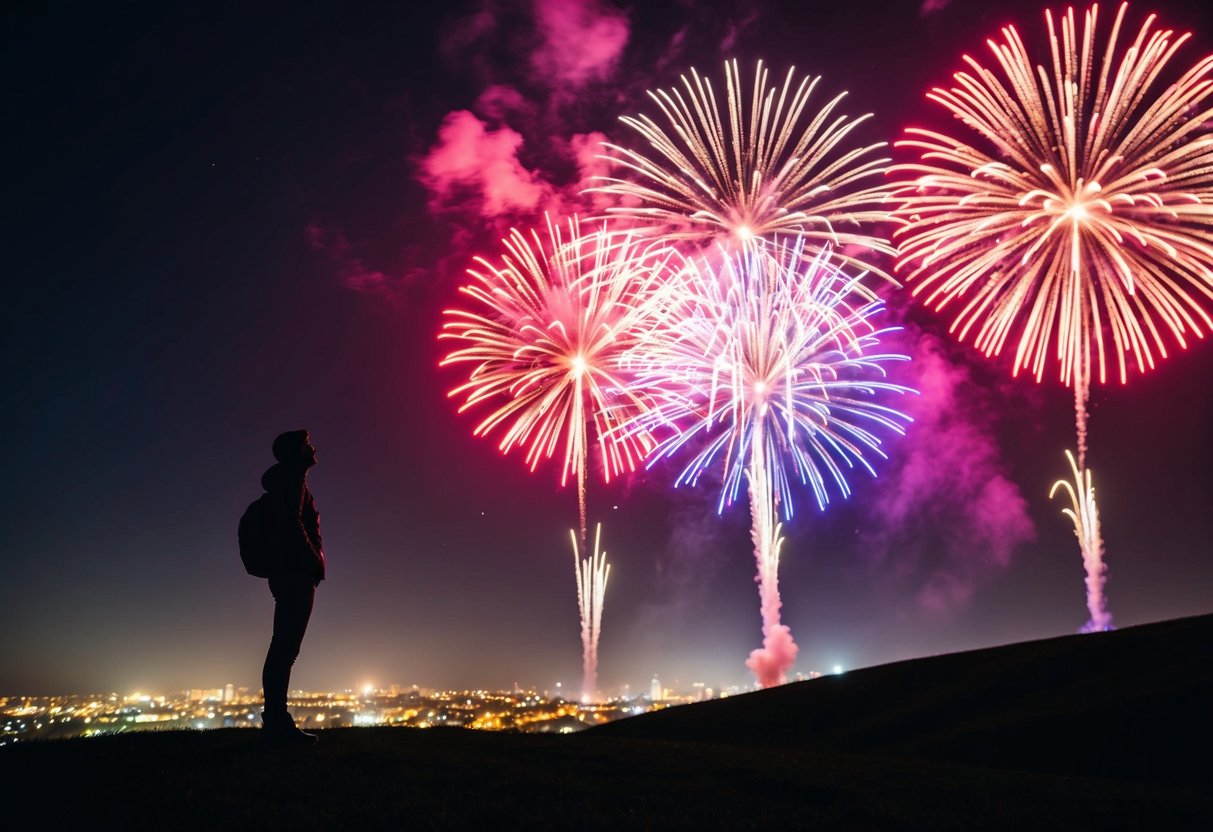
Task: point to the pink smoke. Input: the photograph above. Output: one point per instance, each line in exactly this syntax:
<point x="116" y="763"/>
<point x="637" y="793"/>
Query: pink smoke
<point x="930" y="7"/>
<point x="580" y="41"/>
<point x="736" y="30"/>
<point x="351" y="269"/>
<point x="1097" y="604"/>
<point x="587" y="153"/>
<point x="461" y="38"/>
<point x="947" y="484"/>
<point x="500" y="101"/>
<point x="469" y="157"/>
<point x="474" y="166"/>
<point x="476" y="171"/>
<point x="771" y="662"/>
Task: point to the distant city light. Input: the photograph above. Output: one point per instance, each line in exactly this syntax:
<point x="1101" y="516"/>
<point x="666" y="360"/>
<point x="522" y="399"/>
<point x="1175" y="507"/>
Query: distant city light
<point x="520" y="709"/>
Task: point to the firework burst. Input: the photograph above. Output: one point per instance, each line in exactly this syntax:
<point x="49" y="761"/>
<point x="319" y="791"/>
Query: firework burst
<point x="1074" y="214"/>
<point x="542" y="339"/>
<point x="767" y="366"/>
<point x="1078" y="223"/>
<point x="773" y="167"/>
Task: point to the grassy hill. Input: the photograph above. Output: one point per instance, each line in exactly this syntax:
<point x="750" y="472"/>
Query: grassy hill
<point x="1135" y="703"/>
<point x="1105" y="731"/>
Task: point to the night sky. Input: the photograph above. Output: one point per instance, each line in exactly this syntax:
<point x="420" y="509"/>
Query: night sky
<point x="231" y="220"/>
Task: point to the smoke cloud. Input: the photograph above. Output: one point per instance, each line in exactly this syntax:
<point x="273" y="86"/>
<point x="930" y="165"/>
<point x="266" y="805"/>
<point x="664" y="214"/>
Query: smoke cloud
<point x="580" y="41"/>
<point x="586" y="150"/>
<point x="771" y="662"/>
<point x="540" y="82"/>
<point x="470" y="159"/>
<point x="352" y="270"/>
<point x="948" y="516"/>
<point x="475" y="169"/>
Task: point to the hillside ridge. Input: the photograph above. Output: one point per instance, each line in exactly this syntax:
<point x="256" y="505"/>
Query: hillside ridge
<point x="1132" y="703"/>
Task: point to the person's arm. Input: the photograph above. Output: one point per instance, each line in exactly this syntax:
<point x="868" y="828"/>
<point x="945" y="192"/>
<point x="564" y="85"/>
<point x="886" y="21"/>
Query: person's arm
<point x="313" y="519"/>
<point x="310" y="520"/>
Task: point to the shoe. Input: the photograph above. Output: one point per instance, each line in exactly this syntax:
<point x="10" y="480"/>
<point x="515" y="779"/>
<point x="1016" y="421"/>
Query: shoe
<point x="281" y="729"/>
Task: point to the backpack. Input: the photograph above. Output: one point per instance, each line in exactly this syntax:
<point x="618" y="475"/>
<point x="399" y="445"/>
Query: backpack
<point x="256" y="537"/>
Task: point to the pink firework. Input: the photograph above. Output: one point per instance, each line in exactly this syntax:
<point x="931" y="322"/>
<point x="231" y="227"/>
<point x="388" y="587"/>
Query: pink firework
<point x="541" y="340"/>
<point x="1072" y="213"/>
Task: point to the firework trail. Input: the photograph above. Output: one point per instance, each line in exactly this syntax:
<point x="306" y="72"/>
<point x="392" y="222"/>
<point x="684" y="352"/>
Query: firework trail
<point x="1074" y="216"/>
<point x="592" y="574"/>
<point x="774" y="167"/>
<point x="1085" y="516"/>
<point x="543" y="337"/>
<point x="766" y="364"/>
<point x="770" y="662"/>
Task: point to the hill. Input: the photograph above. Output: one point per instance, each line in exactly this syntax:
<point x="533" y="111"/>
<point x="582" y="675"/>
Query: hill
<point x="1082" y="732"/>
<point x="1134" y="703"/>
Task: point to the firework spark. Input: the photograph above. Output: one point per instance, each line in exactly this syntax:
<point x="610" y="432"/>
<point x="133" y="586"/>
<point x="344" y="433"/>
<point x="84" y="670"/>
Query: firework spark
<point x="543" y="340"/>
<point x="1075" y="214"/>
<point x="776" y="167"/>
<point x="592" y="574"/>
<point x="767" y="363"/>
<point x="1085" y="517"/>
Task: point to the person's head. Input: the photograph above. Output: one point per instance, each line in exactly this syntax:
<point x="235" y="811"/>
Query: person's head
<point x="294" y="449"/>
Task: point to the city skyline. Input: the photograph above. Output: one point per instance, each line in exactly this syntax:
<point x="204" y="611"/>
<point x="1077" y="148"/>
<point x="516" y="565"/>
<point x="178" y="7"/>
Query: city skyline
<point x="236" y="223"/>
<point x="527" y="710"/>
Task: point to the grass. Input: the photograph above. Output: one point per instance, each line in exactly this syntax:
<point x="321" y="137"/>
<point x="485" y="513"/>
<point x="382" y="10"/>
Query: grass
<point x="385" y="778"/>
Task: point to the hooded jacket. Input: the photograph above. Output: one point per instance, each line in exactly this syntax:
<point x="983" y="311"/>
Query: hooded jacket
<point x="300" y="546"/>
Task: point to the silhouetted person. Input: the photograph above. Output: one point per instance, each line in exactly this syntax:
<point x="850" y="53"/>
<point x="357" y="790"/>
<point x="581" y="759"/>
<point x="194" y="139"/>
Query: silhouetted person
<point x="298" y="570"/>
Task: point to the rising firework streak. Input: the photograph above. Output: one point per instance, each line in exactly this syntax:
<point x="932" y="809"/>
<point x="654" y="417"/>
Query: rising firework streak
<point x="592" y="574"/>
<point x="1085" y="517"/>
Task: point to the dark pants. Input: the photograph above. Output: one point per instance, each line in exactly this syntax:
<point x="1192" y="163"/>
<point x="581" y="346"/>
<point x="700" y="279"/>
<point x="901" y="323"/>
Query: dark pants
<point x="293" y="593"/>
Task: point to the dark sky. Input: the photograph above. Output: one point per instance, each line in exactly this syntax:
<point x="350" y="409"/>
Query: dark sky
<point x="219" y="231"/>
